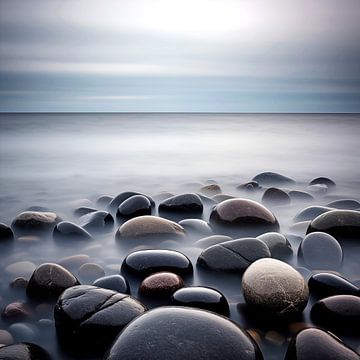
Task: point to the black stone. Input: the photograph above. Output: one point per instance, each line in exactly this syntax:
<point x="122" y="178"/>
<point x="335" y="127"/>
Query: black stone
<point x="117" y="200"/>
<point x="98" y="221"/>
<point x="181" y="206"/>
<point x="49" y="281"/>
<point x="233" y="255"/>
<point x="201" y="297"/>
<point x="311" y="212"/>
<point x="317" y="344"/>
<point x="275" y="196"/>
<point x="323" y="181"/>
<point x="278" y="245"/>
<point x="296" y="195"/>
<point x="271" y="178"/>
<point x="326" y="284"/>
<point x="136" y="205"/>
<point x="196" y="226"/>
<point x="113" y="282"/>
<point x="6" y="233"/>
<point x="345" y="204"/>
<point x="23" y="351"/>
<point x="83" y="210"/>
<point x="67" y="230"/>
<point x="180" y="333"/>
<point x="90" y="317"/>
<point x="146" y="262"/>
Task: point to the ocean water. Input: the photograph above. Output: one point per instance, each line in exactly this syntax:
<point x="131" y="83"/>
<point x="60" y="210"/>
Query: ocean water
<point x="55" y="160"/>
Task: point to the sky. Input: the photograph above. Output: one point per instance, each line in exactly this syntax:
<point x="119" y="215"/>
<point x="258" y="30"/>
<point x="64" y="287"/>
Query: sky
<point x="180" y="56"/>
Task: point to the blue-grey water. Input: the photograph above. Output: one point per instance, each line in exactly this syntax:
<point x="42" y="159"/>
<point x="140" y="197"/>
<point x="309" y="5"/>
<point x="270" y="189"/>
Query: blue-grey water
<point x="58" y="160"/>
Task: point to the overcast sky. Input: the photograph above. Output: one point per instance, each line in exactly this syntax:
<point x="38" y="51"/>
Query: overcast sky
<point x="180" y="55"/>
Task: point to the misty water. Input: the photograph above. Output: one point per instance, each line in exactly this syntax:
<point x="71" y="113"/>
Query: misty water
<point x="62" y="161"/>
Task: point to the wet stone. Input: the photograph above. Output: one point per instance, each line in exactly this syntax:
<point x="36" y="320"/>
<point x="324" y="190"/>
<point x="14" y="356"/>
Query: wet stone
<point x="311" y="212"/>
<point x="300" y="227"/>
<point x="320" y="250"/>
<point x="49" y="280"/>
<point x="83" y="210"/>
<point x="211" y="189"/>
<point x="145" y="262"/>
<point x="279" y="246"/>
<point x="296" y="195"/>
<point x="134" y="206"/>
<point x="201" y="297"/>
<point x="180" y="333"/>
<point x="23" y="331"/>
<point x="234" y="255"/>
<point x="6" y="233"/>
<point x="211" y="240"/>
<point x="327" y="284"/>
<point x="91" y="272"/>
<point x="103" y="201"/>
<point x="21" y="268"/>
<point x="249" y="186"/>
<point x="196" y="226"/>
<point x="275" y="288"/>
<point x="5" y="337"/>
<point x="342" y="224"/>
<point x="16" y="311"/>
<point x="73" y="262"/>
<point x="23" y="351"/>
<point x="68" y="231"/>
<point x="272" y="178"/>
<point x="242" y="217"/>
<point x="97" y="222"/>
<point x="113" y="282"/>
<point x="91" y="317"/>
<point x="345" y="204"/>
<point x="275" y="196"/>
<point x="206" y="200"/>
<point x="338" y="312"/>
<point x="317" y="344"/>
<point x="323" y="181"/>
<point x="160" y="284"/>
<point x="19" y="283"/>
<point x="117" y="200"/>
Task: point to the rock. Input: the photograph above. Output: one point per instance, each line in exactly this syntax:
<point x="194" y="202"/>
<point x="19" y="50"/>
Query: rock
<point x="104" y="201"/>
<point x="162" y="195"/>
<point x="97" y="222"/>
<point x="181" y="206"/>
<point x="275" y="196"/>
<point x="117" y="200"/>
<point x="326" y="284"/>
<point x="319" y="189"/>
<point x="160" y="284"/>
<point x="35" y="222"/>
<point x="271" y="178"/>
<point x="323" y="181"/>
<point x="19" y="283"/>
<point x="146" y="262"/>
<point x="49" y="280"/>
<point x="206" y="200"/>
<point x="20" y="269"/>
<point x="342" y="224"/>
<point x="234" y="255"/>
<point x="196" y="226"/>
<point x="6" y="233"/>
<point x="249" y="186"/>
<point x="183" y="333"/>
<point x="16" y="311"/>
<point x="345" y="204"/>
<point x="149" y="226"/>
<point x="242" y="217"/>
<point x="5" y="338"/>
<point x="338" y="312"/>
<point x="73" y="262"/>
<point x="317" y="344"/>
<point x="320" y="250"/>
<point x="201" y="297"/>
<point x="22" y="331"/>
<point x="299" y="228"/>
<point x="279" y="246"/>
<point x="68" y="231"/>
<point x="83" y="210"/>
<point x="274" y="287"/>
<point x="222" y="197"/>
<point x="212" y="240"/>
<point x="23" y="351"/>
<point x="91" y="272"/>
<point x="113" y="282"/>
<point x="134" y="206"/>
<point x="311" y="212"/>
<point x="90" y="317"/>
<point x="296" y="195"/>
<point x="210" y="190"/>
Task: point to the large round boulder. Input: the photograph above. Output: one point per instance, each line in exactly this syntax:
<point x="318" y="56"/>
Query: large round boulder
<point x="23" y="351"/>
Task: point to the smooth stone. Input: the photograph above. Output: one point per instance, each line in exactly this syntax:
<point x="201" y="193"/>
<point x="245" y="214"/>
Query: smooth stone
<point x="117" y="200"/>
<point x="300" y="227"/>
<point x="323" y="181"/>
<point x="242" y="217"/>
<point x="91" y="317"/>
<point x="311" y="212"/>
<point x="83" y="210"/>
<point x="6" y="338"/>
<point x="149" y="226"/>
<point x="234" y="255"/>
<point x="275" y="196"/>
<point x="113" y="282"/>
<point x="16" y="311"/>
<point x="318" y="189"/>
<point x="34" y="222"/>
<point x="146" y="262"/>
<point x="20" y="269"/>
<point x="23" y="351"/>
<point x="91" y="271"/>
<point x="338" y="312"/>
<point x="342" y="224"/>
<point x="134" y="206"/>
<point x="275" y="288"/>
<point x="211" y="240"/>
<point x="162" y="195"/>
<point x="344" y="204"/>
<point x="327" y="284"/>
<point x="206" y="200"/>
<point x="23" y="331"/>
<point x="320" y="250"/>
<point x="296" y="195"/>
<point x="67" y="230"/>
<point x="210" y="190"/>
<point x="97" y="222"/>
<point x="272" y="178"/>
<point x="181" y="205"/>
<point x="278" y="244"/>
<point x="317" y="344"/>
<point x="222" y="197"/>
<point x="46" y="324"/>
<point x="160" y="284"/>
<point x="201" y="297"/>
<point x="196" y="226"/>
<point x="6" y="233"/>
<point x="180" y="333"/>
<point x="49" y="281"/>
<point x="19" y="283"/>
<point x="73" y="262"/>
<point x="103" y="201"/>
<point x="249" y="186"/>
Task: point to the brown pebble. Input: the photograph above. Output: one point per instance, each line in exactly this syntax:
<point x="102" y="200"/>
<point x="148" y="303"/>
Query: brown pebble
<point x="210" y="190"/>
<point x="16" y="311"/>
<point x="91" y="271"/>
<point x="5" y="337"/>
<point x="19" y="283"/>
<point x="161" y="284"/>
